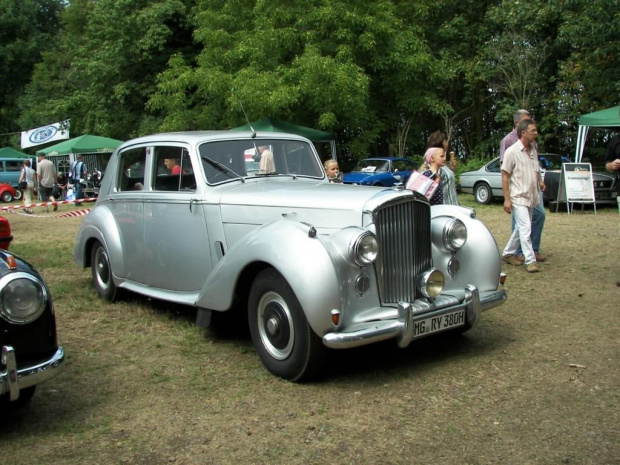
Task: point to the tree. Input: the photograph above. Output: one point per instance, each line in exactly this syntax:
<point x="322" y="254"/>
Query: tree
<point x="105" y="68"/>
<point x="27" y="28"/>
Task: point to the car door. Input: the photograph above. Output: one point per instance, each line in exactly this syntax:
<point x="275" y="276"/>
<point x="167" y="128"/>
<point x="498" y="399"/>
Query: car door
<point x="127" y="209"/>
<point x="494" y="178"/>
<point x="177" y="253"/>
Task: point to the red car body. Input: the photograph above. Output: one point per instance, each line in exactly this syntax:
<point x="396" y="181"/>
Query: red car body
<point x="8" y="192"/>
<point x="5" y="233"/>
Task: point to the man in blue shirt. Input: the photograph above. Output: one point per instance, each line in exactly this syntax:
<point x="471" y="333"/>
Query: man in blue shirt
<point x="78" y="175"/>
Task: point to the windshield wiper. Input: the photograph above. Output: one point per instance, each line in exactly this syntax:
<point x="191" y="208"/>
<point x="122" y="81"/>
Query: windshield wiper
<point x="222" y="167"/>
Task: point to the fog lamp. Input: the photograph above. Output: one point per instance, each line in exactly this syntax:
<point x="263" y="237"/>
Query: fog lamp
<point x="430" y="283"/>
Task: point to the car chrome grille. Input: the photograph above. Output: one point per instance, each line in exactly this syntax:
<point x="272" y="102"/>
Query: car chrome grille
<point x="404" y="235"/>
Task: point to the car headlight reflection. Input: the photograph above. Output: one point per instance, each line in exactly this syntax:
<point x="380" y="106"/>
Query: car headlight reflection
<point x="365" y="248"/>
<point x="22" y="298"/>
<point x="454" y="234"/>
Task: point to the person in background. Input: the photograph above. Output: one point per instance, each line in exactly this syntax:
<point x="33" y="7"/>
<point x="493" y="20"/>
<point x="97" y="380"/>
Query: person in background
<point x="521" y="181"/>
<point x="172" y="165"/>
<point x="612" y="156"/>
<point x="60" y="187"/>
<point x="46" y="174"/>
<point x="538" y="216"/>
<point x="332" y="170"/>
<point x="438" y="139"/>
<point x="78" y="174"/>
<point x="267" y="164"/>
<point x="29" y="176"/>
<point x="435" y="159"/>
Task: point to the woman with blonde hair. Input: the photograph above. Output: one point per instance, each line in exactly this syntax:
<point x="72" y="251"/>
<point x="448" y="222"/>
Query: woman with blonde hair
<point x="439" y="139"/>
<point x="435" y="159"/>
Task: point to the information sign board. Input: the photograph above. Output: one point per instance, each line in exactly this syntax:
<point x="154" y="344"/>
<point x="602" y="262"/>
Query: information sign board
<point x="576" y="185"/>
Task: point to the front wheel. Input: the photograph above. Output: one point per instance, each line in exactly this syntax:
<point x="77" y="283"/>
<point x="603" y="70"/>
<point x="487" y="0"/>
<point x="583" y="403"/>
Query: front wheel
<point x="7" y="197"/>
<point x="18" y="194"/>
<point x="102" y="273"/>
<point x="482" y="194"/>
<point x="280" y="331"/>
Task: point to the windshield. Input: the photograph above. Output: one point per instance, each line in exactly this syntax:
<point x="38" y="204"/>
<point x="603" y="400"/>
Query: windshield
<point x="225" y="160"/>
<point x="372" y="166"/>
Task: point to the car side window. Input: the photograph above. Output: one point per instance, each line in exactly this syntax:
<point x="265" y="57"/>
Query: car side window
<point x="14" y="165"/>
<point x="494" y="167"/>
<point x="132" y="164"/>
<point x="172" y="169"/>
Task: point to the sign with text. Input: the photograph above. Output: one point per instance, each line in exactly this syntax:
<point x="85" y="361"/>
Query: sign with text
<point x="576" y="184"/>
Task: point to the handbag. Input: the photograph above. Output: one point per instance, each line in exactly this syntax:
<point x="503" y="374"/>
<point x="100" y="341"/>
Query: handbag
<point x="422" y="184"/>
<point x="23" y="185"/>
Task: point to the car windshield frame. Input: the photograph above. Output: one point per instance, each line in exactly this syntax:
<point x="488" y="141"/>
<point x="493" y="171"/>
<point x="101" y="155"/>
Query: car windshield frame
<point x="238" y="159"/>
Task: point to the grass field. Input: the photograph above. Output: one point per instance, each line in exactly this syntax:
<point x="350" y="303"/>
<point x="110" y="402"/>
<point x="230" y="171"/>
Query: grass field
<point x="537" y="382"/>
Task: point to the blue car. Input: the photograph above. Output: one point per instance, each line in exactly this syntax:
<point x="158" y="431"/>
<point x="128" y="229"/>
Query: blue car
<point x="381" y="171"/>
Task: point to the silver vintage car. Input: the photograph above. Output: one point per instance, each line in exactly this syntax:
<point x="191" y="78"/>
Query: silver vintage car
<point x="314" y="265"/>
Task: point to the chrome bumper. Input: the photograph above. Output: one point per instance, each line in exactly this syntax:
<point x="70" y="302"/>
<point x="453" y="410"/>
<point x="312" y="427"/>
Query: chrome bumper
<point x="401" y="328"/>
<point x="12" y="380"/>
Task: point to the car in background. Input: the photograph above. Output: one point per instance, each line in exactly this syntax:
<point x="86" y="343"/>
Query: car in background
<point x="306" y="264"/>
<point x="30" y="353"/>
<point x="8" y="193"/>
<point x="380" y="171"/>
<point x="485" y="183"/>
<point x="5" y="233"/>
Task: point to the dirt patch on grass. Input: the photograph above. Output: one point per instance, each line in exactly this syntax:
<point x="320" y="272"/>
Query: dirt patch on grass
<point x="535" y="383"/>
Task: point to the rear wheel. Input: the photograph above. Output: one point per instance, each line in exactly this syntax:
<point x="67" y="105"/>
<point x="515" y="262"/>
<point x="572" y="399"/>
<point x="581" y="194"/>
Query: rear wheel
<point x="482" y="194"/>
<point x="280" y="331"/>
<point x="18" y="194"/>
<point x="102" y="273"/>
<point x="7" y="197"/>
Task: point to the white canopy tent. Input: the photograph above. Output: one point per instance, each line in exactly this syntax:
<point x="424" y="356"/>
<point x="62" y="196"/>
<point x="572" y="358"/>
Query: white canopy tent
<point x="609" y="118"/>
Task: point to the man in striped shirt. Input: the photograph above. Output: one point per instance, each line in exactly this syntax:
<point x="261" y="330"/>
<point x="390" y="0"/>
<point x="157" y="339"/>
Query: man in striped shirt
<point x="520" y="182"/>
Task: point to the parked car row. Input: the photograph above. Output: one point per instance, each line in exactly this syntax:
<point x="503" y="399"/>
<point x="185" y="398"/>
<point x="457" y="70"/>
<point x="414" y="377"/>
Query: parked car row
<point x="485" y="183"/>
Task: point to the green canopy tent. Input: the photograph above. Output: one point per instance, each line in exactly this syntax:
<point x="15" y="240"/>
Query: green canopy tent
<point x="96" y="151"/>
<point x="8" y="152"/>
<point x="275" y="125"/>
<point x="82" y="144"/>
<point x="609" y="118"/>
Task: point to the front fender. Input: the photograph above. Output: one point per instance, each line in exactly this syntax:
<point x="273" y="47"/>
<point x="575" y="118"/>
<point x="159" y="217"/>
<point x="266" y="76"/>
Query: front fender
<point x="479" y="258"/>
<point x="291" y="249"/>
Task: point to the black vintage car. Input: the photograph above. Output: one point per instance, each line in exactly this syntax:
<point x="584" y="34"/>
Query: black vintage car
<point x="30" y="350"/>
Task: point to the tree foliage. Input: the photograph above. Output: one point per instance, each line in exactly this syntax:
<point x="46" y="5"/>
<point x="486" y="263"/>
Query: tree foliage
<point x="27" y="28"/>
<point x="381" y="74"/>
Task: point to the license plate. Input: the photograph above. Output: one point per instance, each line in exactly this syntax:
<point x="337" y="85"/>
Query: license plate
<point x="435" y="324"/>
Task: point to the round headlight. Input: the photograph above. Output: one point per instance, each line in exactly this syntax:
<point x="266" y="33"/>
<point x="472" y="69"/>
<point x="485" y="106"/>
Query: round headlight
<point x="22" y="298"/>
<point x="454" y="235"/>
<point x="365" y="248"/>
<point x="430" y="283"/>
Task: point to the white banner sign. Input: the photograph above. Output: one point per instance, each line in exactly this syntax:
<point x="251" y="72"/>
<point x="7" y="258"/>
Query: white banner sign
<point x="50" y="133"/>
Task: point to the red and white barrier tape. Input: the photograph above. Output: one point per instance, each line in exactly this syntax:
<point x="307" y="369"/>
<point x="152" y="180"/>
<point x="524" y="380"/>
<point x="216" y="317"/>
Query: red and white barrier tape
<point x="46" y="204"/>
<point x="56" y="215"/>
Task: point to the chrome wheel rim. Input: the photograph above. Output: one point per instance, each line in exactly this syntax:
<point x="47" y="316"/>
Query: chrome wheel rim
<point x="275" y="325"/>
<point x="102" y="269"/>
